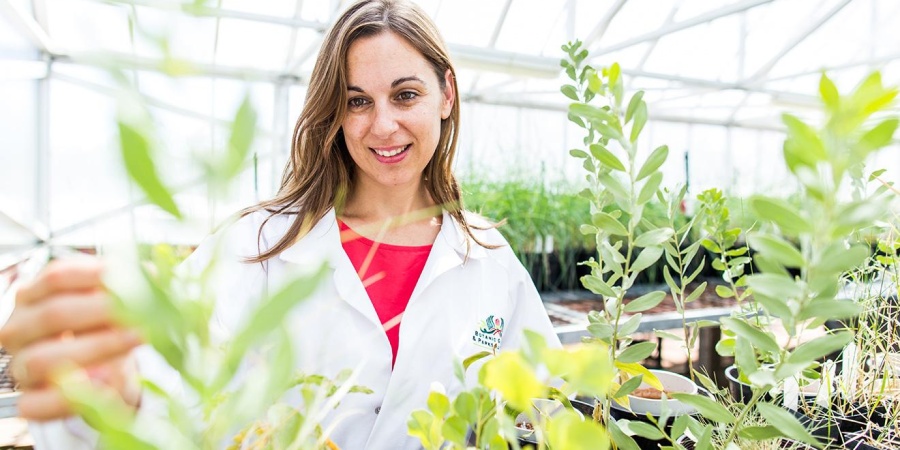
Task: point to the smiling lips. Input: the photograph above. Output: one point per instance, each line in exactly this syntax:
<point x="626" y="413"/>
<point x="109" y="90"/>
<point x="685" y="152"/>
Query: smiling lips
<point x="387" y="152"/>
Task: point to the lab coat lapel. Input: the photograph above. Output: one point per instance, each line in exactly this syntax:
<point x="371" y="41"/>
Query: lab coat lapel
<point x="448" y="252"/>
<point x="324" y="241"/>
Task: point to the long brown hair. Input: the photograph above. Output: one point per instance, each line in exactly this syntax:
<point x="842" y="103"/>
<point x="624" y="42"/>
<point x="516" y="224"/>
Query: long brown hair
<point x="319" y="174"/>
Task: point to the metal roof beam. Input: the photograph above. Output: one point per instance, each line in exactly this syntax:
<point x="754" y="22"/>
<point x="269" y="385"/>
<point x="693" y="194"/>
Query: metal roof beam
<point x="867" y="62"/>
<point x="504" y="62"/>
<point x="518" y="103"/>
<point x="604" y="23"/>
<point x="760" y="74"/>
<point x="499" y="26"/>
<point x="206" y="11"/>
<point x="29" y="27"/>
<point x="683" y="25"/>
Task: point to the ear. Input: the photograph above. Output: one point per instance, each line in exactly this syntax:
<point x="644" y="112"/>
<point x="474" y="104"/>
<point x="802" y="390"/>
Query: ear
<point x="448" y="95"/>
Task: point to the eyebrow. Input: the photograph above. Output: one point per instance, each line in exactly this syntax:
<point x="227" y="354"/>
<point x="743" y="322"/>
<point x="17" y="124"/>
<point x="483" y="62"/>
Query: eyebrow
<point x="393" y="84"/>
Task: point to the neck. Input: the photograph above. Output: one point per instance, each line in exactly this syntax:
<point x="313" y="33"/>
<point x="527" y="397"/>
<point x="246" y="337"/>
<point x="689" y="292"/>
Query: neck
<point x="379" y="204"/>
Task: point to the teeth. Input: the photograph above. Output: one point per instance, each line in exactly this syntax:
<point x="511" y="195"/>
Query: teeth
<point x="388" y="153"/>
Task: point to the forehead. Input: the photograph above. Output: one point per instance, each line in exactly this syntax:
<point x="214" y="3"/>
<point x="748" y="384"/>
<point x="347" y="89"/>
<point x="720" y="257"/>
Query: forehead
<point x="385" y="57"/>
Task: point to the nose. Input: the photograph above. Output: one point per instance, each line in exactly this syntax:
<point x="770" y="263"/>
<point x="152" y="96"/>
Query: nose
<point x="384" y="122"/>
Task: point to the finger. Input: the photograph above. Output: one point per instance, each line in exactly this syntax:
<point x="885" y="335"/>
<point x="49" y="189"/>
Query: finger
<point x="36" y="364"/>
<point x="43" y="404"/>
<point x="62" y="313"/>
<point x="62" y="275"/>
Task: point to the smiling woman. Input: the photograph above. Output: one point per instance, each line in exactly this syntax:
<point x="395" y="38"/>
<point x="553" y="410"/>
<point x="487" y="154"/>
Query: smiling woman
<point x="411" y="278"/>
<point x="391" y="130"/>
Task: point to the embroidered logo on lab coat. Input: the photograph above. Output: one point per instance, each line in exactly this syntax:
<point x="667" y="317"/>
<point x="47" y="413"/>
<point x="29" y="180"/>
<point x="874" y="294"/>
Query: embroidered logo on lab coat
<point x="489" y="332"/>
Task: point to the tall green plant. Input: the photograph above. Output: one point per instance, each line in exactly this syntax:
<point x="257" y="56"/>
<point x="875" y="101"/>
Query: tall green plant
<point x="817" y="240"/>
<point x="626" y="243"/>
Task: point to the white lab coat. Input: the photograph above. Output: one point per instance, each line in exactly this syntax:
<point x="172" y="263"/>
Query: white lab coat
<point x="338" y="328"/>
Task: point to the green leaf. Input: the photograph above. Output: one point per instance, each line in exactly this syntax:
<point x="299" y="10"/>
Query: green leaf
<point x="454" y="430"/>
<point x="508" y="374"/>
<point x="609" y="130"/>
<point x="821" y="346"/>
<point x="637" y="352"/>
<point x="776" y="248"/>
<point x="614" y="186"/>
<point x="874" y="175"/>
<point x="576" y="120"/>
<point x="830" y="309"/>
<point x="642" y="429"/>
<point x="707" y="407"/>
<point x="758" y="433"/>
<point x="780" y="213"/>
<point x="631" y="325"/>
<point x="597" y="286"/>
<point x="476" y="357"/>
<point x="614" y="71"/>
<point x="629" y="386"/>
<point x="569" y="91"/>
<point x="644" y="302"/>
<point x="465" y="407"/>
<point x="588" y="230"/>
<point x="654" y="237"/>
<point x="696" y="294"/>
<point x="633" y="104"/>
<point x="803" y="142"/>
<point x="653" y="162"/>
<point x="609" y="224"/>
<point x="622" y="440"/>
<point x="829" y="93"/>
<point x="667" y="335"/>
<point x="647" y="257"/>
<point x="438" y="404"/>
<point x="648" y="191"/>
<point x="243" y="131"/>
<point x="774" y="286"/>
<point x="590" y="112"/>
<point x="758" y="338"/>
<point x="578" y="153"/>
<point x="879" y="136"/>
<point x="640" y="119"/>
<point x="606" y="157"/>
<point x="837" y="258"/>
<point x="680" y="425"/>
<point x="786" y="423"/>
<point x="141" y="168"/>
<point x="724" y="291"/>
<point x="568" y="432"/>
<point x="419" y="426"/>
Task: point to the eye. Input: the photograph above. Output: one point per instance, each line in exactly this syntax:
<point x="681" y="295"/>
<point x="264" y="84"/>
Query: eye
<point x="357" y="102"/>
<point x="406" y="96"/>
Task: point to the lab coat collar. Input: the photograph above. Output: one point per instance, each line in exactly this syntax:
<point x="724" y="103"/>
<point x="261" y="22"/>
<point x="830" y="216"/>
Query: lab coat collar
<point x="324" y="241"/>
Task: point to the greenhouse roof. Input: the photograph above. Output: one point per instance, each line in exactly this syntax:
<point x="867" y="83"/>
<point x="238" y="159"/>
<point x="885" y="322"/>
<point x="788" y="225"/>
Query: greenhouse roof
<point x="731" y="62"/>
<point x="717" y="76"/>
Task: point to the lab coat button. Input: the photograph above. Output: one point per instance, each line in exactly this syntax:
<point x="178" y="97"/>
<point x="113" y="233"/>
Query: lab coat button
<point x="377" y="409"/>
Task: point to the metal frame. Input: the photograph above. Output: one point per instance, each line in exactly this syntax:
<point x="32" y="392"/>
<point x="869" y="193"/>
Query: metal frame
<point x="678" y="26"/>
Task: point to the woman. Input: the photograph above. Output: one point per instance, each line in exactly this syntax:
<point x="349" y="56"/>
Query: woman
<point x="419" y="284"/>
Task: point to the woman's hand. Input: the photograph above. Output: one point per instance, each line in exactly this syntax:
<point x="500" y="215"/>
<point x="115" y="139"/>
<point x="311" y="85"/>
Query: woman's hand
<point x="63" y="318"/>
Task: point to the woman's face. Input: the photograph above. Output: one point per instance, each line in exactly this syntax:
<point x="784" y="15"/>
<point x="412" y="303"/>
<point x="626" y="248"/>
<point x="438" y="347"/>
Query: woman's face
<point x="394" y="110"/>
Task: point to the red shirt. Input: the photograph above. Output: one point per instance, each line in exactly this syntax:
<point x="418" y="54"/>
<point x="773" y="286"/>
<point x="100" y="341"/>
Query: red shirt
<point x="389" y="273"/>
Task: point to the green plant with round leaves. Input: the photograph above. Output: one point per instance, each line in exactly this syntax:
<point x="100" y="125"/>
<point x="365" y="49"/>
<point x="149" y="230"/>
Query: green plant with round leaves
<point x="507" y="384"/>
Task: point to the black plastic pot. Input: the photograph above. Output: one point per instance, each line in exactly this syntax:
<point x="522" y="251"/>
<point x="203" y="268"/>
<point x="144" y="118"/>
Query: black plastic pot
<point x="739" y="390"/>
<point x="583" y="407"/>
